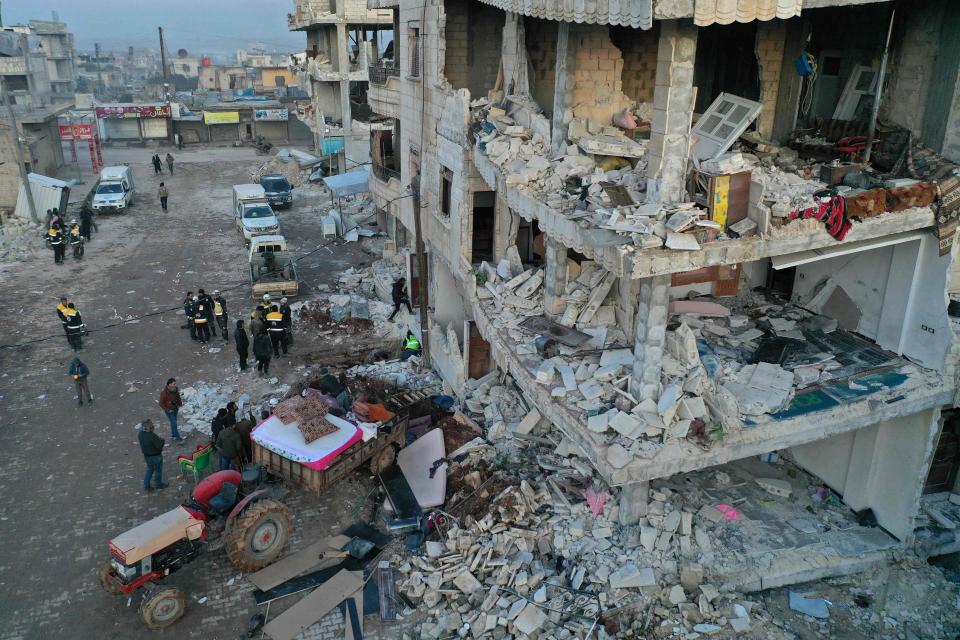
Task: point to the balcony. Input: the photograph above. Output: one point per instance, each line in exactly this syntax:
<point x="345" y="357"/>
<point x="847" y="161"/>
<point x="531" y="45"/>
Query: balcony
<point x="380" y="74"/>
<point x="13" y="66"/>
<point x="384" y="173"/>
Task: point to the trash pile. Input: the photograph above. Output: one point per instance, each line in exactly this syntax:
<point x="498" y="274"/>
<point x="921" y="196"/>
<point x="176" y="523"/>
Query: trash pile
<point x="18" y="239"/>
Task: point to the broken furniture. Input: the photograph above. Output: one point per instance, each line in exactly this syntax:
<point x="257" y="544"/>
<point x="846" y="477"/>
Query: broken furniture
<point x="197" y="462"/>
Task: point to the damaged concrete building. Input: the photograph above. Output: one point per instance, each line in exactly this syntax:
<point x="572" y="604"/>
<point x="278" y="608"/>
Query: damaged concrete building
<point x="678" y="229"/>
<point x="344" y="40"/>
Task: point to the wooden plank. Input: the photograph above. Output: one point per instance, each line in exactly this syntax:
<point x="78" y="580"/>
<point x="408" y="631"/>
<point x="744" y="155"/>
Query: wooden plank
<point x="314" y="606"/>
<point x="300" y="562"/>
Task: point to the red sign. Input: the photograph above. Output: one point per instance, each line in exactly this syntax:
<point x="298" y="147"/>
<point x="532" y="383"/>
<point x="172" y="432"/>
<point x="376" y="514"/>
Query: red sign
<point x="135" y="111"/>
<point x="76" y="131"/>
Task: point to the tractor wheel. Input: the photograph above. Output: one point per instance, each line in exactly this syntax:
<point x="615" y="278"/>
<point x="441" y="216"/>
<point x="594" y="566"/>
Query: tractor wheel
<point x="163" y="607"/>
<point x="107" y="582"/>
<point x="258" y="535"/>
<point x="382" y="459"/>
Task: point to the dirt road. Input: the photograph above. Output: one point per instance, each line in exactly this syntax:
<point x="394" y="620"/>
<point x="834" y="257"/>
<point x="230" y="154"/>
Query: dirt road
<point x="71" y="476"/>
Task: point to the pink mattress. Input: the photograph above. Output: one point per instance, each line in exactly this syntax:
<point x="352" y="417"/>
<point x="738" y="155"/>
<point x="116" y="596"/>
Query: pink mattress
<point x="287" y="441"/>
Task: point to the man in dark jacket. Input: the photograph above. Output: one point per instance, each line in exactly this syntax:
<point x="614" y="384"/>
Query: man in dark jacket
<point x="217" y="424"/>
<point x="151" y="445"/>
<point x="189" y="309"/>
<point x="86" y="221"/>
<point x="399" y="296"/>
<point x="262" y="351"/>
<point x="75" y="327"/>
<point x="244" y="427"/>
<point x="230" y="446"/>
<point x="79" y="371"/>
<point x="201" y="318"/>
<point x="170" y="402"/>
<point x="287" y="314"/>
<point x="157" y="165"/>
<point x="243" y="344"/>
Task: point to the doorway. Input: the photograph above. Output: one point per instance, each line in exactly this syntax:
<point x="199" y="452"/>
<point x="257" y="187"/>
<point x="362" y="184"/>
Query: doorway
<point x="483" y="224"/>
<point x="530" y="242"/>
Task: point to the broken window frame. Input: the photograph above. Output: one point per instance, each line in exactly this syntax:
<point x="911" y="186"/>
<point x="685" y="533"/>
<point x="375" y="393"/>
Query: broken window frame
<point x="415" y="65"/>
<point x="446" y="193"/>
<point x="730" y="111"/>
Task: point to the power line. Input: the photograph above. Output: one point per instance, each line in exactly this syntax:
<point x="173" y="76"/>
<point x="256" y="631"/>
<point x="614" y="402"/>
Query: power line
<point x="160" y="312"/>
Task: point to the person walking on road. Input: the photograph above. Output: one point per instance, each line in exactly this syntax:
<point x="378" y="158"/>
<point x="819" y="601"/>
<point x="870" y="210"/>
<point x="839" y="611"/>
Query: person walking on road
<point x="399" y="295"/>
<point x="201" y="319"/>
<point x="170" y="402"/>
<point x="79" y="371"/>
<point x="170" y="163"/>
<point x="151" y="446"/>
<point x="157" y="165"/>
<point x="74" y="327"/>
<point x="164" y="193"/>
<point x="243" y="344"/>
<point x="262" y="351"/>
<point x="220" y="313"/>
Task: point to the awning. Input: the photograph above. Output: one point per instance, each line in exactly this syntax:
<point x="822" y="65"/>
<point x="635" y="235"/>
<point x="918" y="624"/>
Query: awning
<point x="707" y="12"/>
<point x="348" y="184"/>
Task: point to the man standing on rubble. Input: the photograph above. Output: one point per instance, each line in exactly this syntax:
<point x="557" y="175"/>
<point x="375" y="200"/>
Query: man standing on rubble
<point x="170" y="402"/>
<point x="220" y="312"/>
<point x="262" y="351"/>
<point x="287" y="321"/>
<point x="399" y="296"/>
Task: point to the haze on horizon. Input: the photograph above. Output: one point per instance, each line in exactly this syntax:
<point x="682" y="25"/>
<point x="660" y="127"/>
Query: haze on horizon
<point x="208" y="26"/>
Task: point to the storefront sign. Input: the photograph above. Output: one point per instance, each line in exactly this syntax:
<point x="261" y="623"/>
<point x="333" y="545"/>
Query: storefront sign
<point x="76" y="131"/>
<point x="331" y="145"/>
<point x="281" y="115"/>
<point x="134" y="111"/>
<point x="221" y="117"/>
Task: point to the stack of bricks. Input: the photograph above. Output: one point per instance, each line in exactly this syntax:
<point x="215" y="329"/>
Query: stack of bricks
<point x="598" y="87"/>
<point x="640" y="65"/>
<point x="770" y="42"/>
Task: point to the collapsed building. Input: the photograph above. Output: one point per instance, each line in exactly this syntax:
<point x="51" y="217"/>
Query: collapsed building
<point x="656" y="219"/>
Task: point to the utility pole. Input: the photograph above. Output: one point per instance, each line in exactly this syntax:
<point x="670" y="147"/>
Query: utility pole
<point x="19" y="151"/>
<point x="163" y="61"/>
<point x="96" y="52"/>
<point x="422" y="285"/>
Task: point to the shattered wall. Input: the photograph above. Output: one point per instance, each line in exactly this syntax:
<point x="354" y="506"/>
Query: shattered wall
<point x="639" y="50"/>
<point x="771" y="38"/>
<point x="472" y="35"/>
<point x="541" y="37"/>
<point x="598" y="87"/>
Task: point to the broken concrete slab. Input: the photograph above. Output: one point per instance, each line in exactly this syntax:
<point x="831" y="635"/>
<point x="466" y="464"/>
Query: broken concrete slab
<point x="775" y="486"/>
<point x="630" y="576"/>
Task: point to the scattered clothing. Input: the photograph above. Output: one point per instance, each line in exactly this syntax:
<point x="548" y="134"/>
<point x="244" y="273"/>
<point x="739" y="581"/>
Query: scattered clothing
<point x="832" y="213"/>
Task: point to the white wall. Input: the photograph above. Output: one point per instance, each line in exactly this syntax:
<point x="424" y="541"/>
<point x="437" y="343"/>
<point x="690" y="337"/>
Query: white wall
<point x="882" y="467"/>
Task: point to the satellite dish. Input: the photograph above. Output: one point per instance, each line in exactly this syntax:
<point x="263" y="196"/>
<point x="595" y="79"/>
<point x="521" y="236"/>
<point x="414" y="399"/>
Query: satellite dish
<point x="182" y="53"/>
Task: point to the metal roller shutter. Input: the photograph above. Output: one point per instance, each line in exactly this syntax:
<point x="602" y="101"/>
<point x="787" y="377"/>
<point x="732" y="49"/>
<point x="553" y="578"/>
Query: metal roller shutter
<point x="154" y="128"/>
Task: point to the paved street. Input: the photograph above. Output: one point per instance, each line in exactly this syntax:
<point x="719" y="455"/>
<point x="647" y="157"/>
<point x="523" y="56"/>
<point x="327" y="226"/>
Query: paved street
<point x="71" y="477"/>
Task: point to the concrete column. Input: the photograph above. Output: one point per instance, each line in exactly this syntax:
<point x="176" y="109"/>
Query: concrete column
<point x="562" y="87"/>
<point x="343" y="66"/>
<point x="634" y="498"/>
<point x="651" y="329"/>
<point x="506" y="223"/>
<point x="673" y="101"/>
<point x="555" y="277"/>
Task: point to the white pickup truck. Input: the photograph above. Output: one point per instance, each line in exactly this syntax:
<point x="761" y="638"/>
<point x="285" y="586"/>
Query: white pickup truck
<point x="272" y="268"/>
<point x="115" y="190"/>
<point x="252" y="211"/>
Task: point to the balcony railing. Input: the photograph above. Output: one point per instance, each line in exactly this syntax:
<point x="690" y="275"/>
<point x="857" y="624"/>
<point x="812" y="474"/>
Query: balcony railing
<point x="379" y="74"/>
<point x="383" y="174"/>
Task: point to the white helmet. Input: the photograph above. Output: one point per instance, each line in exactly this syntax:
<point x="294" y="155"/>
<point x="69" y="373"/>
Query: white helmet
<point x="266" y="297"/>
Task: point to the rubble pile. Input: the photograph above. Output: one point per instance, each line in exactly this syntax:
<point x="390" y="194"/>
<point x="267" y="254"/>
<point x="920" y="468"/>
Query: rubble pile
<point x="494" y="404"/>
<point x="287" y="166"/>
<point x="403" y="374"/>
<point x="19" y="239"/>
<point x="541" y="562"/>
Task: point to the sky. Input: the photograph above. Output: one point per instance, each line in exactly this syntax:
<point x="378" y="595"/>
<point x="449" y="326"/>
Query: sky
<point x="199" y="26"/>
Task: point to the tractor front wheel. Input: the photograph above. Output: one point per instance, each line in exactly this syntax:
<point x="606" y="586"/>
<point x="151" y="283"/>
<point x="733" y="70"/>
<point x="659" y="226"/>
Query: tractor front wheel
<point x="258" y="535"/>
<point x="106" y="580"/>
<point x="163" y="607"/>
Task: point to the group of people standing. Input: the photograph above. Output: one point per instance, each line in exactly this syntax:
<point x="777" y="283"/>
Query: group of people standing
<point x="60" y="234"/>
<point x="230" y="436"/>
<point x="205" y="314"/>
<point x="271" y="325"/>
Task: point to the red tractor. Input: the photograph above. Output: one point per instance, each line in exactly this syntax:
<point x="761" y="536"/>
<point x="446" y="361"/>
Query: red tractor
<point x="224" y="507"/>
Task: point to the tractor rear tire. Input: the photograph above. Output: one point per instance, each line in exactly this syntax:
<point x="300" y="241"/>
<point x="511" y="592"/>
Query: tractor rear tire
<point x="163" y="607"/>
<point x="106" y="582"/>
<point x="258" y="535"/>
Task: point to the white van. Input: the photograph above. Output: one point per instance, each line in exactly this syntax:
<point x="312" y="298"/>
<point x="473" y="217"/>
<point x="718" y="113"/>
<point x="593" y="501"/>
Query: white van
<point x="115" y="190"/>
<point x="252" y="211"/>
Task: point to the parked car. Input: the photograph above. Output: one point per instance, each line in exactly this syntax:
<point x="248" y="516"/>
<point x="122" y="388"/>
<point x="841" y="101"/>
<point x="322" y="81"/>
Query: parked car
<point x="278" y="188"/>
<point x="115" y="190"/>
<point x="252" y="211"/>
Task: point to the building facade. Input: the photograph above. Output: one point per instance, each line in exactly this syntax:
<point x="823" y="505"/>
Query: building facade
<point x="587" y="231"/>
<point x="344" y="38"/>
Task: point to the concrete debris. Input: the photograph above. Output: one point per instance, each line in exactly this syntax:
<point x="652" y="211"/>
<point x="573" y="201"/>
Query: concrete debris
<point x="19" y="239"/>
